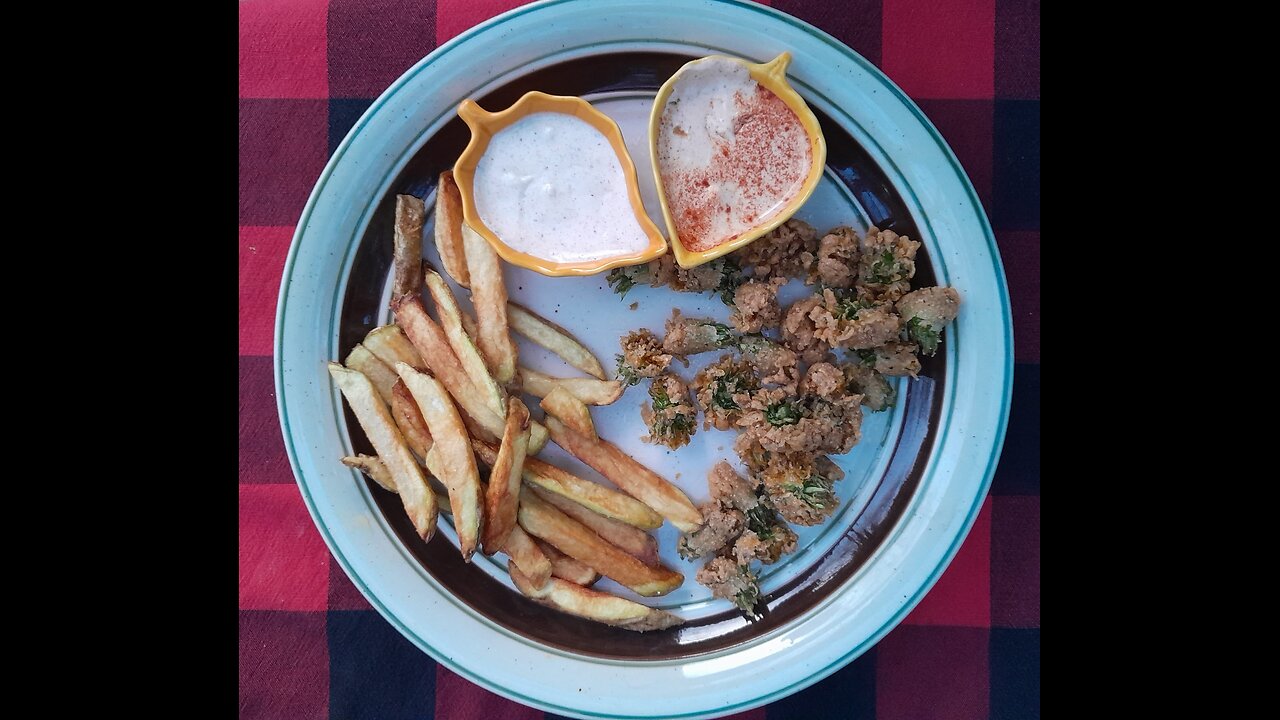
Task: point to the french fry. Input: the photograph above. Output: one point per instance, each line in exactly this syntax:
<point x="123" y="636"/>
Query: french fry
<point x="449" y="229"/>
<point x="636" y="542"/>
<point x="463" y="348"/>
<point x="432" y="344"/>
<point x="489" y="296"/>
<point x="542" y="520"/>
<point x="411" y="213"/>
<point x="373" y="468"/>
<point x="390" y="346"/>
<point x="591" y="604"/>
<point x="527" y="556"/>
<point x="371" y="413"/>
<point x="503" y="492"/>
<point x="571" y="411"/>
<point x="452" y="448"/>
<point x="566" y="568"/>
<point x="554" y="338"/>
<point x="588" y="390"/>
<point x="635" y="479"/>
<point x="409" y="419"/>
<point x="597" y="497"/>
<point x="379" y="373"/>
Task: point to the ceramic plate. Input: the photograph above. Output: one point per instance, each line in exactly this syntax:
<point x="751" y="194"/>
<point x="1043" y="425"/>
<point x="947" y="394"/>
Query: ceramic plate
<point x="913" y="484"/>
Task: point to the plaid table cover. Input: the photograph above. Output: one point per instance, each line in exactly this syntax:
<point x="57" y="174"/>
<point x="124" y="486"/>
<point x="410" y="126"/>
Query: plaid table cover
<point x="309" y="644"/>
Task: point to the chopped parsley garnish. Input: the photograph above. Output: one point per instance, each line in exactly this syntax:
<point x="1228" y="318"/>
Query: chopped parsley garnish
<point x="661" y="400"/>
<point x="848" y="308"/>
<point x="626" y="373"/>
<point x="730" y="279"/>
<point x="884" y="270"/>
<point x="813" y="491"/>
<point x="760" y="521"/>
<point x="746" y="599"/>
<point x="924" y="334"/>
<point x="622" y="280"/>
<point x="724" y="334"/>
<point x="868" y="357"/>
<point x="782" y="413"/>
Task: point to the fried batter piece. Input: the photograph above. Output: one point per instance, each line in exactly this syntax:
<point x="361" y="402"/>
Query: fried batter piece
<point x="722" y="388"/>
<point x="641" y="357"/>
<point x="731" y="489"/>
<point x="785" y="423"/>
<point x="671" y="417"/>
<point x="800" y="331"/>
<point x="690" y="336"/>
<point x="775" y="363"/>
<point x="887" y="264"/>
<point x="800" y="487"/>
<point x="720" y="275"/>
<point x="837" y="260"/>
<point x="755" y="305"/>
<point x="787" y="251"/>
<point x="926" y="312"/>
<point x="721" y="525"/>
<point x="848" y="321"/>
<point x="877" y="394"/>
<point x="731" y="581"/>
<point x="892" y="359"/>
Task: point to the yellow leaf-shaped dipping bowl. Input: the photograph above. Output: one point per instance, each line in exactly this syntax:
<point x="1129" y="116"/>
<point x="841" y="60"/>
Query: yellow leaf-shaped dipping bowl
<point x="773" y="77"/>
<point x="484" y="125"/>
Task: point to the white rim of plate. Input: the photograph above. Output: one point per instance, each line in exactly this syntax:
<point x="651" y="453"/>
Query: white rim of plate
<point x="958" y="473"/>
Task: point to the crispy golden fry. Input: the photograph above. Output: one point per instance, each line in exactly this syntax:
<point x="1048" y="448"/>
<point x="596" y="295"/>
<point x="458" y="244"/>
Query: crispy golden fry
<point x="373" y="468"/>
<point x="542" y="520"/>
<point x="390" y="346"/>
<point x="635" y="479"/>
<point x="432" y="344"/>
<point x="463" y="348"/>
<point x="452" y="448"/>
<point x="554" y="338"/>
<point x="489" y="296"/>
<point x="379" y="373"/>
<point x="591" y="604"/>
<point x="588" y="390"/>
<point x="636" y="542"/>
<point x="503" y="492"/>
<point x="430" y="341"/>
<point x="566" y="568"/>
<point x="597" y="497"/>
<point x="571" y="411"/>
<point x="449" y="229"/>
<point x="527" y="556"/>
<point x="371" y="413"/>
<point x="411" y="213"/>
<point x="409" y="419"/>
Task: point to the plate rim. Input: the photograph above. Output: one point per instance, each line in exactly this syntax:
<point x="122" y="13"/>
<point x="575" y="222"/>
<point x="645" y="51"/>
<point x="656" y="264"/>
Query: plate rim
<point x="896" y="617"/>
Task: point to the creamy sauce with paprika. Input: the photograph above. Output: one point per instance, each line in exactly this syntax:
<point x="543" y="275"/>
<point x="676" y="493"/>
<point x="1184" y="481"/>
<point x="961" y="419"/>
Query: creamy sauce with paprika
<point x="550" y="185"/>
<point x="730" y="152"/>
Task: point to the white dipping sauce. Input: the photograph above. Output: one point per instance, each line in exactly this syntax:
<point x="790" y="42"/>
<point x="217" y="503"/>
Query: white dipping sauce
<point x="550" y="185"/>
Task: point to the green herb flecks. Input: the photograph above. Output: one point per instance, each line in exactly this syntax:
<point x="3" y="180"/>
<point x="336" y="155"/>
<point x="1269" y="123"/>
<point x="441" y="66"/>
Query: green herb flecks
<point x="622" y="280"/>
<point x="730" y="279"/>
<point x="884" y="270"/>
<point x="924" y="334"/>
<point x="760" y="521"/>
<point x="626" y="373"/>
<point x="867" y="357"/>
<point x="814" y="491"/>
<point x="782" y="413"/>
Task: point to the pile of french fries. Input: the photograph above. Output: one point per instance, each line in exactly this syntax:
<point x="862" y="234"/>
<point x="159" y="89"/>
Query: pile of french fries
<point x="440" y="398"/>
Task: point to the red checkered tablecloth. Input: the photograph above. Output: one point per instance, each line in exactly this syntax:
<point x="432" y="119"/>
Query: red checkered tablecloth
<point x="311" y="647"/>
